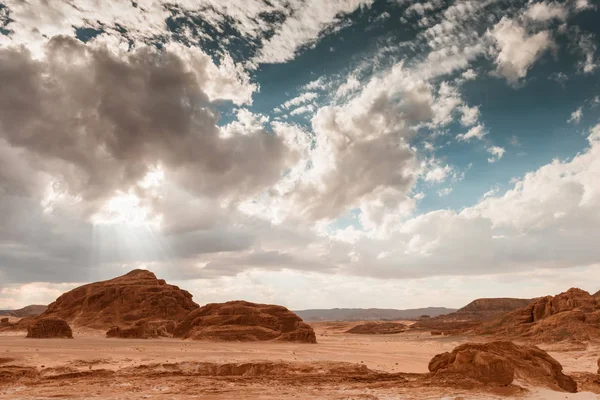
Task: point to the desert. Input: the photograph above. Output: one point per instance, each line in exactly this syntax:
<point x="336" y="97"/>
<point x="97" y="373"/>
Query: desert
<point x="245" y="350"/>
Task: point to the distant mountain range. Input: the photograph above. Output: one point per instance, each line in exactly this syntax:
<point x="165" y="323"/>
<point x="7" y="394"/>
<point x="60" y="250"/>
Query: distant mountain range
<point x="370" y="314"/>
<point x="29" y="311"/>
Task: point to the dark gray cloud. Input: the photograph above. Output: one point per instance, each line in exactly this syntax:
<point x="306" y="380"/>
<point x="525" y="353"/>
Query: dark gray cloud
<point x="100" y="122"/>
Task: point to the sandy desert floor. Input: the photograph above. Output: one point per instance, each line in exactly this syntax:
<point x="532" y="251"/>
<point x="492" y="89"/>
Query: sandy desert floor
<point x="92" y="367"/>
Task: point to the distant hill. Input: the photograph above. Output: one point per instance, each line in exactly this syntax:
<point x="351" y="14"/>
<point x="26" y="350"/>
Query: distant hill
<point x="29" y="311"/>
<point x="494" y="305"/>
<point x="370" y="314"/>
<point x="473" y="313"/>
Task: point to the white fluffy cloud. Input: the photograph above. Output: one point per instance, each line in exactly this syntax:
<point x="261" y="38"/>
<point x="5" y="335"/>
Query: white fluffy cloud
<point x="588" y="47"/>
<point x="470" y="115"/>
<point x="476" y="132"/>
<point x="497" y="152"/>
<point x="362" y="150"/>
<point x="545" y="11"/>
<point x="438" y="174"/>
<point x="516" y="49"/>
<point x="576" y="116"/>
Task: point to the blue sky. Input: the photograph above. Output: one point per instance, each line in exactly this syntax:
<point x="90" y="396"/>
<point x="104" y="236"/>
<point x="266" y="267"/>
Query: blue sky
<point x="265" y="150"/>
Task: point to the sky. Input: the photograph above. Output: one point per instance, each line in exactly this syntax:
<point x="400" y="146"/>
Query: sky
<point x="314" y="154"/>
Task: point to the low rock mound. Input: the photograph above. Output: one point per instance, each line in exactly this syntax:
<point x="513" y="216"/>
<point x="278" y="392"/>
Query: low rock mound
<point x="244" y="321"/>
<point x="377" y="328"/>
<point x="572" y="315"/>
<point x="49" y="328"/>
<point x="124" y="301"/>
<point x="499" y="364"/>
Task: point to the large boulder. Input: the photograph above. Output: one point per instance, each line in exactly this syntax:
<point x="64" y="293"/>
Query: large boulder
<point x="49" y="328"/>
<point x="572" y="315"/>
<point x="377" y="328"/>
<point x="124" y="301"/>
<point x="244" y="321"/>
<point x="499" y="364"/>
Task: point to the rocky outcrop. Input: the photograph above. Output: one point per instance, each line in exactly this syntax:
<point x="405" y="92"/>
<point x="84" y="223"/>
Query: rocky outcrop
<point x="377" y="328"/>
<point x="499" y="364"/>
<point x="572" y="315"/>
<point x="49" y="328"/>
<point x="597" y="294"/>
<point x="599" y="366"/>
<point x="244" y="321"/>
<point x="124" y="301"/>
<point x="4" y="321"/>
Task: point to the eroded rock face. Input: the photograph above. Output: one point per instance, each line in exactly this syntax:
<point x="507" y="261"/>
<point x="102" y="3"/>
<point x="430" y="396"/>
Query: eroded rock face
<point x="143" y="330"/>
<point x="377" y="328"/>
<point x="124" y="301"/>
<point x="244" y="321"/>
<point x="499" y="363"/>
<point x="572" y="315"/>
<point x="49" y="328"/>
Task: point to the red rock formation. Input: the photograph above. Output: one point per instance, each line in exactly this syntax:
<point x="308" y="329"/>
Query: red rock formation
<point x="4" y="321"/>
<point x="50" y="328"/>
<point x="244" y="321"/>
<point x="572" y="315"/>
<point x="599" y="366"/>
<point x="124" y="301"/>
<point x="498" y="364"/>
<point x="377" y="328"/>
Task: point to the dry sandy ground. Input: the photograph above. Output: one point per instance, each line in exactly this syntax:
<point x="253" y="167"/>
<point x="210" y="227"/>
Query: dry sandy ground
<point x="92" y="367"/>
